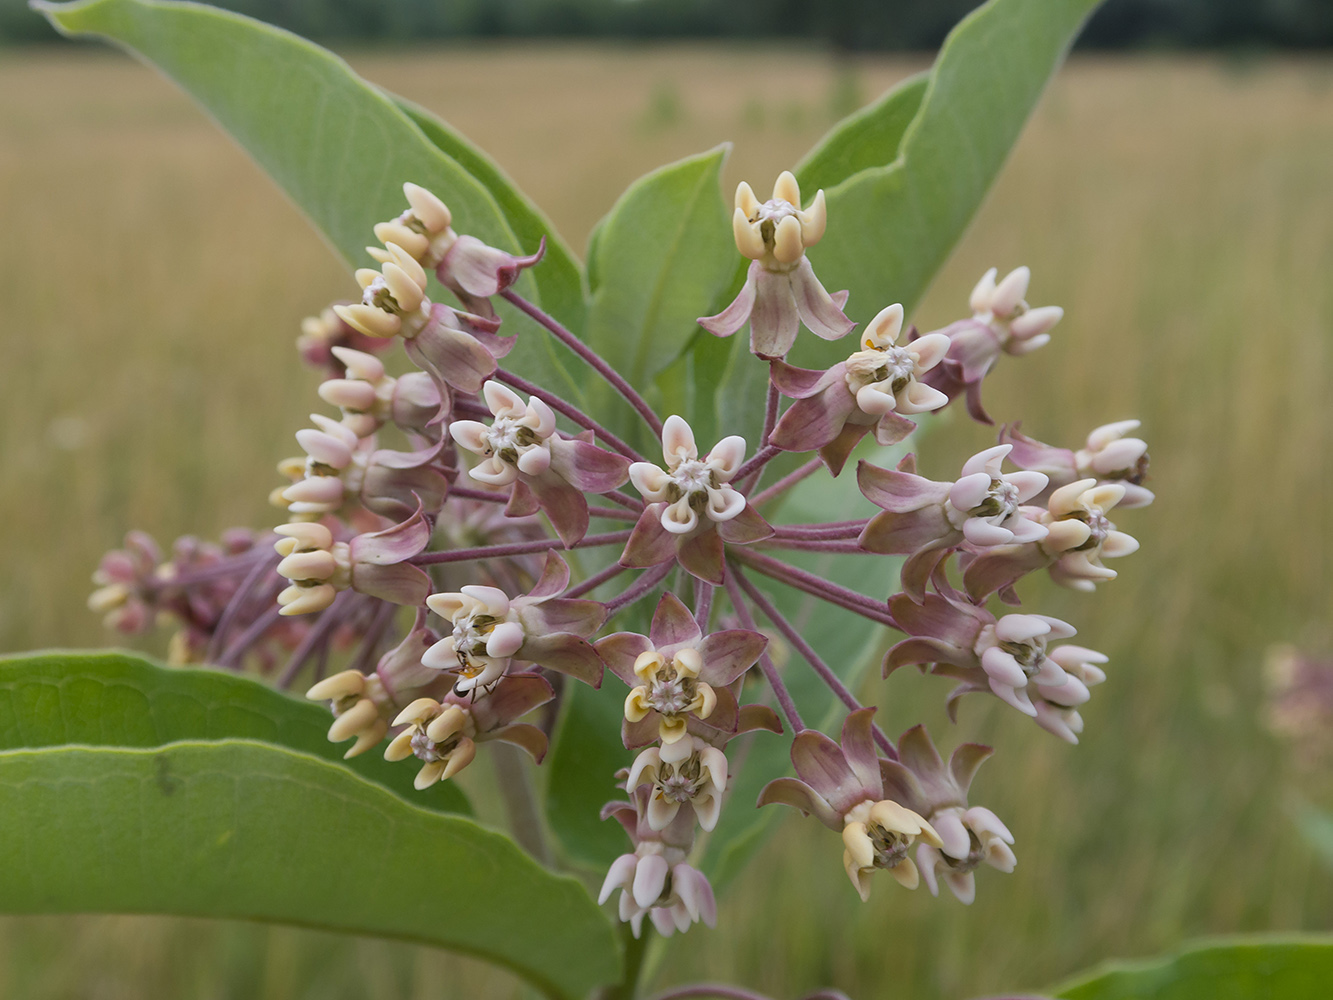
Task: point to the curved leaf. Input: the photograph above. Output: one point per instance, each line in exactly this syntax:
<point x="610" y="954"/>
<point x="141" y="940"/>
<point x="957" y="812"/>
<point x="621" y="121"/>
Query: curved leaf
<point x="119" y="699"/>
<point x="1259" y="968"/>
<point x="339" y="147"/>
<point x="659" y="261"/>
<point x="243" y="829"/>
<point x="868" y="138"/>
<point x="986" y="81"/>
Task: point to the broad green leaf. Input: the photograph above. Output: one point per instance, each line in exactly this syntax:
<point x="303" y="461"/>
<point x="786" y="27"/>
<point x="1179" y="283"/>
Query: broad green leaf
<point x="1256" y="968"/>
<point x="661" y="258"/>
<point x="339" y="147"/>
<point x="559" y="277"/>
<point x="865" y="139"/>
<point x="240" y="829"/>
<point x="848" y="643"/>
<point x="123" y="700"/>
<point x="892" y="227"/>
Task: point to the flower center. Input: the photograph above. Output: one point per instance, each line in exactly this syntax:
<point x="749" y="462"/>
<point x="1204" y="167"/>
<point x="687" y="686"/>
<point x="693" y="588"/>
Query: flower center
<point x="1098" y="528"/>
<point x="975" y="855"/>
<point x="680" y="782"/>
<point x="670" y="693"/>
<point x="890" y="846"/>
<point x="426" y="749"/>
<point x="1030" y="655"/>
<point x="506" y="436"/>
<point x="1001" y="501"/>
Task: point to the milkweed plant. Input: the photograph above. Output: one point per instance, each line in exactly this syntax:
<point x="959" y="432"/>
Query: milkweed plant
<point x="644" y="519"/>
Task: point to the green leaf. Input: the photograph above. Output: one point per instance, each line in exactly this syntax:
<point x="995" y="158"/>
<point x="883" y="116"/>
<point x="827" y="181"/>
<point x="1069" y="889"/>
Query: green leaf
<point x="240" y="829"/>
<point x="119" y="699"/>
<point x="891" y="227"/>
<point x="1254" y="968"/>
<point x="660" y="259"/>
<point x="868" y="138"/>
<point x="559" y="277"/>
<point x="339" y="147"/>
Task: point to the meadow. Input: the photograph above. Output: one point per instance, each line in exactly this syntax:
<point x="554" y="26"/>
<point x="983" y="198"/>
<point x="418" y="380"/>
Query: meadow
<point x="1181" y="210"/>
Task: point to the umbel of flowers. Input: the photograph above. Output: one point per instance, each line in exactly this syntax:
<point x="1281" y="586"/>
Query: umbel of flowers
<point x="415" y="582"/>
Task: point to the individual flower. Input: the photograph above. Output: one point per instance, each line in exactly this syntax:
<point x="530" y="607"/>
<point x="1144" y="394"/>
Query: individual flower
<point x="877" y="386"/>
<point x="842" y="786"/>
<point x="490" y="629"/>
<point x="680" y="679"/>
<point x="522" y="450"/>
<point x="1002" y="323"/>
<point x="320" y="334"/>
<point x="360" y="706"/>
<point x="1109" y="456"/>
<point x="1078" y="536"/>
<point x="393" y="299"/>
<point x="369" y="397"/>
<point x="654" y="879"/>
<point x="126" y="589"/>
<point x="924" y="520"/>
<point x="444" y="734"/>
<point x="687" y="772"/>
<point x="372" y="563"/>
<point x="969" y="836"/>
<point x="1007" y="656"/>
<point x="464" y="264"/>
<point x="692" y="507"/>
<point x="781" y="290"/>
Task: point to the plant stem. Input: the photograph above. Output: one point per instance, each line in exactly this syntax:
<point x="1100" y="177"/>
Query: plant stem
<point x="816" y="586"/>
<point x="634" y="950"/>
<point x="832" y="530"/>
<point x="229" y="613"/>
<point x="761" y="458"/>
<point x="520" y="800"/>
<point x="613" y="513"/>
<point x="595" y="581"/>
<point x="798" y="642"/>
<point x="639" y="589"/>
<point x="515" y="549"/>
<point x="703" y="603"/>
<point x="766" y="665"/>
<point x="590" y="356"/>
<point x="787" y="482"/>
<point x="486" y="496"/>
<point x="831" y="545"/>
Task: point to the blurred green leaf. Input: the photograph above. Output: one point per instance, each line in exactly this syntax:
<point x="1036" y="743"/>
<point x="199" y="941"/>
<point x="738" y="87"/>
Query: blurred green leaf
<point x="891" y="227"/>
<point x="848" y="643"/>
<point x="658" y="261"/>
<point x="1263" y="968"/>
<point x="340" y="148"/>
<point x="123" y="700"/>
<point x="240" y="829"/>
<point x="868" y="138"/>
<point x="1316" y="826"/>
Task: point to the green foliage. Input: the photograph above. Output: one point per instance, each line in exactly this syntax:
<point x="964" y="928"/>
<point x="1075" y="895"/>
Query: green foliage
<point x="118" y="699"/>
<point x="892" y="226"/>
<point x="661" y="258"/>
<point x="237" y="828"/>
<point x="339" y="147"/>
<point x="1280" y="968"/>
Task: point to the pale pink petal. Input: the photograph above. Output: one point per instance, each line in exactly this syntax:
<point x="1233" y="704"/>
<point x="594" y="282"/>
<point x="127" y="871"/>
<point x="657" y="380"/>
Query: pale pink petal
<point x="818" y="311"/>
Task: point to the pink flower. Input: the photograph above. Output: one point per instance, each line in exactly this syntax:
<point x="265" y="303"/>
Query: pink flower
<point x="543" y="469"/>
<point x="692" y="506"/>
<point x="490" y="629"/>
<point x="844" y="788"/>
<point x="680" y="680"/>
<point x="781" y="290"/>
<point x="924" y="520"/>
<point x="877" y="386"/>
<point x="1109" y="456"/>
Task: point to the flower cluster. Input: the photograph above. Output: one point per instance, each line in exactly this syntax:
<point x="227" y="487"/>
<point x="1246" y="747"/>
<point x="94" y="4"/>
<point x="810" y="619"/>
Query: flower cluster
<point x="445" y="486"/>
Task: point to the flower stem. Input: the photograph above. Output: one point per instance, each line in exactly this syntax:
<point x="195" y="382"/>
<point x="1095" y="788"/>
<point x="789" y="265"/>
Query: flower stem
<point x="572" y="412"/>
<point x="787" y="482"/>
<point x="761" y="458"/>
<point x="595" y="581"/>
<point x="515" y="549"/>
<point x="639" y="589"/>
<point x="817" y="586"/>
<point x="238" y="599"/>
<point x="485" y="496"/>
<point x="703" y="603"/>
<point x="249" y="637"/>
<point x="613" y="513"/>
<point x="799" y="643"/>
<point x="590" y="356"/>
<point x="317" y="636"/>
<point x="831" y="545"/>
<point x="766" y="665"/>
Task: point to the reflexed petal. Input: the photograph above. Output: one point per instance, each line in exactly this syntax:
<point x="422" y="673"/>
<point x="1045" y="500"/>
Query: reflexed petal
<point x="619" y="876"/>
<point x="735" y="316"/>
<point x="822" y="765"/>
<point x="729" y="653"/>
<point x="701" y="555"/>
<point x="817" y="309"/>
<point x="620" y="650"/>
<point x="649" y="879"/>
<point x="774" y="320"/>
<point x="1010" y="696"/>
<point x="858" y="747"/>
<point x="661" y="811"/>
<point x="649" y="543"/>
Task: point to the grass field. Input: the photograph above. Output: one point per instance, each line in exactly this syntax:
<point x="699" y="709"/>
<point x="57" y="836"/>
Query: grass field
<point x="1180" y="210"/>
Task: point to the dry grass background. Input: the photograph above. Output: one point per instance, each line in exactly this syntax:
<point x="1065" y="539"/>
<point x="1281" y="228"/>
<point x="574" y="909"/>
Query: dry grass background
<point x="1181" y="211"/>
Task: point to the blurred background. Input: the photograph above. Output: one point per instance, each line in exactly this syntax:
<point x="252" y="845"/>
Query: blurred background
<point x="1174" y="195"/>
